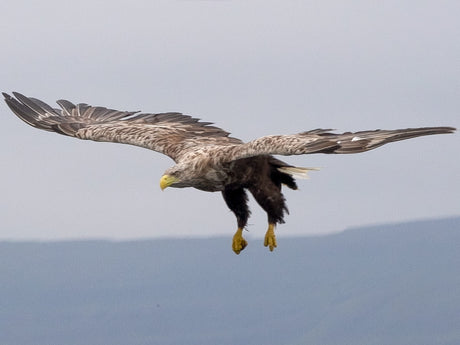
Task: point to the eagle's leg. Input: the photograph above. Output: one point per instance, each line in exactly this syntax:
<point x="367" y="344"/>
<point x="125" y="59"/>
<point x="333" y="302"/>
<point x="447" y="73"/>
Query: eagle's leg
<point x="236" y="199"/>
<point x="270" y="198"/>
<point x="270" y="238"/>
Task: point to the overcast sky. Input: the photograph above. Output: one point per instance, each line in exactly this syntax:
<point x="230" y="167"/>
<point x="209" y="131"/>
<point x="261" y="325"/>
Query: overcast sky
<point x="253" y="68"/>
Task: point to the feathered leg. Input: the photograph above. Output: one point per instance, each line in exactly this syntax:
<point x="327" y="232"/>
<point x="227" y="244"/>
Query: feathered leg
<point x="270" y="198"/>
<point x="237" y="202"/>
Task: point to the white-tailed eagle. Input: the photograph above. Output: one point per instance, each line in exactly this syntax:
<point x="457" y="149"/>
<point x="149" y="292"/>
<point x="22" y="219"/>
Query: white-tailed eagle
<point x="206" y="157"/>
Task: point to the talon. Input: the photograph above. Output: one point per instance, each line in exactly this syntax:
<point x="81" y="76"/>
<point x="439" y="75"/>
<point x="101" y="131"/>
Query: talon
<point x="270" y="238"/>
<point x="239" y="243"/>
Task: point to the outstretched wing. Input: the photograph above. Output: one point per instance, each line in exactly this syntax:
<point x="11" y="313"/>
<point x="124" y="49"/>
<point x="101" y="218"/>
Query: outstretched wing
<point x="323" y="141"/>
<point x="172" y="134"/>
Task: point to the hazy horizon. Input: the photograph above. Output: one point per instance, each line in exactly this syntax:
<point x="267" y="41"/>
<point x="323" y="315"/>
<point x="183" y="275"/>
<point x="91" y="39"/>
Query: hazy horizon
<point x="394" y="284"/>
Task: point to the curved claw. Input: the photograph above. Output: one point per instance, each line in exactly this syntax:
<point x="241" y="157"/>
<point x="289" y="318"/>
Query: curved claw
<point x="270" y="238"/>
<point x="239" y="243"/>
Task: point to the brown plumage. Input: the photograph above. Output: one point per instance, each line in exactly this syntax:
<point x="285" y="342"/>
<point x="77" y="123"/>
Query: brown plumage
<point x="206" y="157"/>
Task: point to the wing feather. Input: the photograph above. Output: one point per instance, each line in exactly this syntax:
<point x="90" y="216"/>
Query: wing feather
<point x="175" y="134"/>
<point x="172" y="134"/>
<point x="323" y="141"/>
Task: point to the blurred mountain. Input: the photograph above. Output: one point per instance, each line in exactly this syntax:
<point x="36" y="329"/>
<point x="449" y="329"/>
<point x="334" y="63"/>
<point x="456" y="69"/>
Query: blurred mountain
<point x="388" y="284"/>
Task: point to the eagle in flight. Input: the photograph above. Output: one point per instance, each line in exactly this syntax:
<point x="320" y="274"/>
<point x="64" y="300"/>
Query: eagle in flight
<point x="206" y="157"/>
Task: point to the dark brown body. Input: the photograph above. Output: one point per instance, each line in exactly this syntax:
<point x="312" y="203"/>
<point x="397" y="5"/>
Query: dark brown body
<point x="259" y="175"/>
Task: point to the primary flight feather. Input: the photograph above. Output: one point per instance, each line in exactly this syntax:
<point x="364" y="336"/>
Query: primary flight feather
<point x="207" y="157"/>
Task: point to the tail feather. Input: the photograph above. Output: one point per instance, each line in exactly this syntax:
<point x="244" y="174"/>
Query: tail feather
<point x="297" y="172"/>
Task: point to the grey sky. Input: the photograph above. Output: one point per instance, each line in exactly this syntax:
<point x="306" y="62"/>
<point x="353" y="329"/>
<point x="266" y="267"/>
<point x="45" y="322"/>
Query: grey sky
<point x="252" y="67"/>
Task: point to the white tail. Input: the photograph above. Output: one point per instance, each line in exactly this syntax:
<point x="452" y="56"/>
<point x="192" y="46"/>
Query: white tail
<point x="296" y="172"/>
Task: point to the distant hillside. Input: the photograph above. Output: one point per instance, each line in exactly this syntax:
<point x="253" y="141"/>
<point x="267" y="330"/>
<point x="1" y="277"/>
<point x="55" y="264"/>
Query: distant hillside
<point x="389" y="284"/>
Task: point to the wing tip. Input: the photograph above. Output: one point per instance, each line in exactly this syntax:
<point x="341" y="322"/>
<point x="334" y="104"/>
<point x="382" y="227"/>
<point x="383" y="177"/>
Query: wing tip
<point x="451" y="129"/>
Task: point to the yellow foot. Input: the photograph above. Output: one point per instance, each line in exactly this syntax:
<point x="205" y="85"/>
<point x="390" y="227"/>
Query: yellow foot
<point x="270" y="239"/>
<point x="239" y="243"/>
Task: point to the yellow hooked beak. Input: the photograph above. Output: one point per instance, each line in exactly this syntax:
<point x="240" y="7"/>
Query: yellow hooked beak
<point x="167" y="180"/>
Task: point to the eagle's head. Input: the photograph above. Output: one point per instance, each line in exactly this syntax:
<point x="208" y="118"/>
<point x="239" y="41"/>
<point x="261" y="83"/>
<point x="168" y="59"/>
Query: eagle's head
<point x="174" y="177"/>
